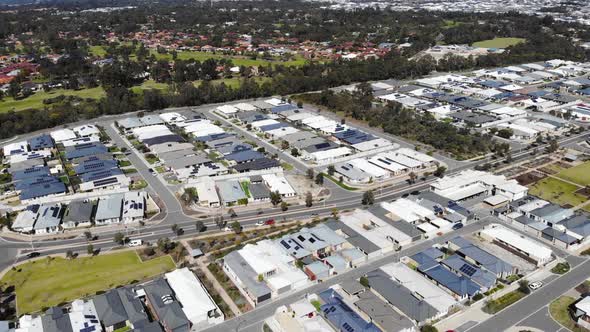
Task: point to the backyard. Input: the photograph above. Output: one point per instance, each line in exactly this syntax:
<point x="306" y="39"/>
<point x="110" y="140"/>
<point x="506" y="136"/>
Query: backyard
<point x="54" y="280"/>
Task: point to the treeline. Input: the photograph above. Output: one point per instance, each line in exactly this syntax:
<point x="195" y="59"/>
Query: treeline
<point x="396" y="120"/>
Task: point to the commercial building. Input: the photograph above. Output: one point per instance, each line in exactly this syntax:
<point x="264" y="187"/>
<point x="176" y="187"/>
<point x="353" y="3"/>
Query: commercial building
<point x="471" y="183"/>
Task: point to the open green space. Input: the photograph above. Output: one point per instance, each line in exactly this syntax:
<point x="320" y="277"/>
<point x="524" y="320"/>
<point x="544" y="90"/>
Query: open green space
<point x="496" y="305"/>
<point x="237" y="60"/>
<point x="499" y="42"/>
<point x="559" y="312"/>
<point x="579" y="174"/>
<point x="51" y="281"/>
<point x="36" y="100"/>
<point x="557" y="191"/>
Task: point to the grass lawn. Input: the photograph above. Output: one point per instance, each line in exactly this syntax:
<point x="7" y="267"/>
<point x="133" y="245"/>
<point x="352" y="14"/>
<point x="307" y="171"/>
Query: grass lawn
<point x="97" y="50"/>
<point x="245" y="188"/>
<point x="341" y="184"/>
<point x="139" y="184"/>
<point x="559" y="312"/>
<point x="557" y="191"/>
<point x="48" y="282"/>
<point x="286" y="166"/>
<point x="36" y="100"/>
<point x="499" y="42"/>
<point x="579" y="174"/>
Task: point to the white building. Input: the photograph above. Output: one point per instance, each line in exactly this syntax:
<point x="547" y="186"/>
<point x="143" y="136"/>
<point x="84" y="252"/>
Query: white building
<point x="83" y="316"/>
<point x="86" y="130"/>
<point x="518" y="244"/>
<point x="197" y="304"/>
<point x="133" y="206"/>
<point x="172" y="117"/>
<point x="471" y="183"/>
<point x="62" y="135"/>
<point x="280" y="184"/>
<point x="228" y="110"/>
<point x="207" y="193"/>
<point x="408" y="211"/>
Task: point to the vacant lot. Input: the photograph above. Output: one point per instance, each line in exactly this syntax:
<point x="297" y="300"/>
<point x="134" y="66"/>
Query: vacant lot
<point x="48" y="282"/>
<point x="499" y="42"/>
<point x="579" y="174"/>
<point x="557" y="191"/>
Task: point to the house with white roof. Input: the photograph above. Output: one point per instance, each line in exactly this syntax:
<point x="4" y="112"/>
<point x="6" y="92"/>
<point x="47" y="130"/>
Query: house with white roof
<point x="197" y="304"/>
<point x="408" y="211"/>
<point x="207" y="193"/>
<point x="62" y="135"/>
<point x="375" y="230"/>
<point x="518" y="244"/>
<point x="133" y="206"/>
<point x="172" y="117"/>
<point x="15" y="148"/>
<point x="471" y="183"/>
<point x="227" y="110"/>
<point x="280" y="184"/>
<point x="86" y="130"/>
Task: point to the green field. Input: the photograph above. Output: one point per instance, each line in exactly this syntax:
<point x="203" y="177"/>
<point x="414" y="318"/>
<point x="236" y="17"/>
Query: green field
<point x="559" y="312"/>
<point x="579" y="174"/>
<point x="202" y="56"/>
<point x="36" y="100"/>
<point x="557" y="191"/>
<point x="50" y="281"/>
<point x="499" y="42"/>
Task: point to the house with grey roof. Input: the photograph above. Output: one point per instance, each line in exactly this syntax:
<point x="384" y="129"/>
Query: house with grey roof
<point x="231" y="192"/>
<point x="164" y="306"/>
<point x="120" y="307"/>
<point x="382" y="314"/>
<point x="49" y="218"/>
<point x="238" y="269"/>
<point x="56" y="320"/>
<point x="259" y="192"/>
<point x="109" y="209"/>
<point x="78" y="214"/>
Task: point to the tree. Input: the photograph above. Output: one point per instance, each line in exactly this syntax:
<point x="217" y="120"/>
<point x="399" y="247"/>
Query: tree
<point x="232" y="213"/>
<point x="553" y="146"/>
<point x="523" y="286"/>
<point x="174" y="228"/>
<point x="284" y="145"/>
<point x="368" y="198"/>
<point x="310" y="173"/>
<point x="331" y="170"/>
<point x="200" y="226"/>
<point x="284" y="206"/>
<point x="364" y="281"/>
<point x="14" y="89"/>
<point x="428" y="328"/>
<point x="319" y="179"/>
<point x="236" y="227"/>
<point x="165" y="245"/>
<point x="308" y="199"/>
<point x="90" y="249"/>
<point x="119" y="238"/>
<point x="440" y="171"/>
<point x="412" y="177"/>
<point x="335" y="213"/>
<point x="69" y="254"/>
<point x="220" y="221"/>
<point x="88" y="235"/>
<point x="260" y="278"/>
<point x="275" y="198"/>
<point x="295" y="152"/>
<point x="505" y="133"/>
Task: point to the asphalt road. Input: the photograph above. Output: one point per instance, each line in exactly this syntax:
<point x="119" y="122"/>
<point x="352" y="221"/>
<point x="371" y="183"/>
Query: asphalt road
<point x="254" y="317"/>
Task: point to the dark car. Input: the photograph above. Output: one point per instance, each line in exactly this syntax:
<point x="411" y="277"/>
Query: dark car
<point x="458" y="226"/>
<point x="415" y="193"/>
<point x="33" y="254"/>
<point x="405" y="195"/>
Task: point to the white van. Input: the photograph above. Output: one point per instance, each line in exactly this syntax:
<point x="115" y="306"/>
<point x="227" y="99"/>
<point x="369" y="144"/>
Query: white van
<point x="135" y="243"/>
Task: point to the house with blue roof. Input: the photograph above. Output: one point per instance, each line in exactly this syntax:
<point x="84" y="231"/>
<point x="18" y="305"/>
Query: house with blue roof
<point x="244" y="156"/>
<point x="274" y="126"/>
<point x="481" y="258"/>
<point x="461" y="286"/>
<point x="91" y="166"/>
<point x="341" y="316"/>
<point x="33" y="181"/>
<point x="42" y="190"/>
<point x="484" y="278"/>
<point x="283" y="108"/>
<point x="84" y="150"/>
<point x="30" y="172"/>
<point x="41" y="142"/>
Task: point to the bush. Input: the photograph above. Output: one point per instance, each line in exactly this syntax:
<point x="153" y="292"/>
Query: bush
<point x="561" y="268"/>
<point x="477" y="297"/>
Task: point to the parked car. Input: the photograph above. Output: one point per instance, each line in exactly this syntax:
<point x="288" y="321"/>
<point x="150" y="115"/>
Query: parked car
<point x="457" y="226"/>
<point x="228" y="229"/>
<point x="152" y="171"/>
<point x="535" y="285"/>
<point x="135" y="243"/>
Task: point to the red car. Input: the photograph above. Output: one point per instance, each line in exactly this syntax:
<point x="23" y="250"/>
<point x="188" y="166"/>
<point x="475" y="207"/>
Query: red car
<point x="266" y="223"/>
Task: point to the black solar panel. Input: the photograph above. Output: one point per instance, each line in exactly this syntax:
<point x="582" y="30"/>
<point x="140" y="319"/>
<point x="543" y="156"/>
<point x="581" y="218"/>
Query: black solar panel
<point x="468" y="269"/>
<point x="105" y="182"/>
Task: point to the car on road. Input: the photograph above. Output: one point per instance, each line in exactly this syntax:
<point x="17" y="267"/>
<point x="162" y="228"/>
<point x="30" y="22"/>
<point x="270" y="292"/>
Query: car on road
<point x="415" y="193"/>
<point x="33" y="254"/>
<point x="535" y="285"/>
<point x="457" y="226"/>
<point x="265" y="222"/>
<point x="405" y="195"/>
<point x="152" y="171"/>
<point x="228" y="229"/>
